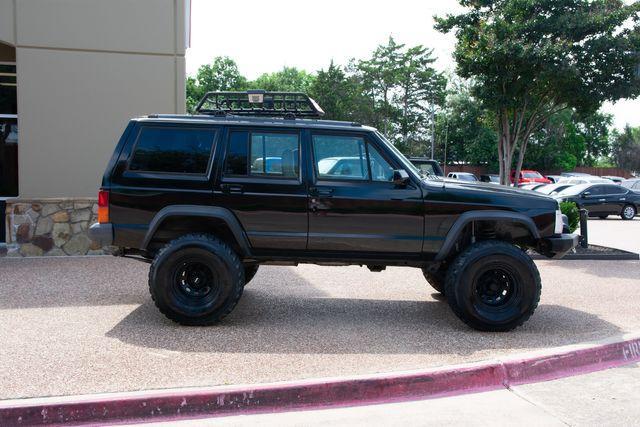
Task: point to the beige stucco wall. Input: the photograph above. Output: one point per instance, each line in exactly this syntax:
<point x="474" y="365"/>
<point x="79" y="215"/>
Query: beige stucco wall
<point x="84" y="68"/>
<point x="7" y="28"/>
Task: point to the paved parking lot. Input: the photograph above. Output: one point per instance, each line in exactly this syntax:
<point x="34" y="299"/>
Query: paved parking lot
<point x="82" y="325"/>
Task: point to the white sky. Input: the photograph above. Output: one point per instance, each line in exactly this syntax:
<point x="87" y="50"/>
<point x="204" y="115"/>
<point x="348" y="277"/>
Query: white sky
<point x="263" y="36"/>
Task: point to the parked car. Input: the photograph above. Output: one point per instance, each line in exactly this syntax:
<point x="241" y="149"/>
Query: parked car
<point x="180" y="193"/>
<point x="616" y="179"/>
<point x="554" y="178"/>
<point x="426" y="165"/>
<point x="552" y="189"/>
<point x="574" y="174"/>
<point x="533" y="186"/>
<point x="490" y="178"/>
<point x="529" y="176"/>
<point x="602" y="200"/>
<point x="586" y="179"/>
<point x="463" y="176"/>
<point x="631" y="183"/>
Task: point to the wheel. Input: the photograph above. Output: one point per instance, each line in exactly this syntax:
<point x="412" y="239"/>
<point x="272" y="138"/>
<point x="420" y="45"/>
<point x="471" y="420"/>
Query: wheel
<point x="250" y="270"/>
<point x="493" y="286"/>
<point x="435" y="279"/>
<point x="196" y="280"/>
<point x="603" y="216"/>
<point x="628" y="212"/>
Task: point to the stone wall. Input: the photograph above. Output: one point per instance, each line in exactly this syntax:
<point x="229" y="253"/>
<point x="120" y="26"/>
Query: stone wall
<point x="51" y="227"/>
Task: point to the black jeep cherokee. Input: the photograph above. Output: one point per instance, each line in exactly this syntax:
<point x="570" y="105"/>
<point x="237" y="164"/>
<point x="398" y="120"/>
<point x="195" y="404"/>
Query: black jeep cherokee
<point x="208" y="198"/>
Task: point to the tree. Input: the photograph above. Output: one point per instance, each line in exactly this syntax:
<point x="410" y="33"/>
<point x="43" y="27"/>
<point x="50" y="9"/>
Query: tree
<point x="626" y="149"/>
<point x="221" y="75"/>
<point x="289" y="79"/>
<point x="532" y="59"/>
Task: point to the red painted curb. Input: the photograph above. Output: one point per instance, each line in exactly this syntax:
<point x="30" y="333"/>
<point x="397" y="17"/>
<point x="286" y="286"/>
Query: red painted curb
<point x="233" y="400"/>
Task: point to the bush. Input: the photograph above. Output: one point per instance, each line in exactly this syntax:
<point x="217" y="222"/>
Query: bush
<point x="570" y="209"/>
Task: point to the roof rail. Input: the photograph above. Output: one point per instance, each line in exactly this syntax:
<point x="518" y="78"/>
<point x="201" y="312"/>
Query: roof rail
<point x="259" y="103"/>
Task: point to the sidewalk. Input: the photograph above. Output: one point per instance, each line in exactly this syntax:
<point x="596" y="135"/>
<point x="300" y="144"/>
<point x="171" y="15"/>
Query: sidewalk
<point x="609" y="397"/>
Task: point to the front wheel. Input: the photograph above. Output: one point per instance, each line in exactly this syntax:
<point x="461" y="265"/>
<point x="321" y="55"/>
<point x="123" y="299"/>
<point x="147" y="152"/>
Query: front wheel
<point x="628" y="212"/>
<point x="493" y="286"/>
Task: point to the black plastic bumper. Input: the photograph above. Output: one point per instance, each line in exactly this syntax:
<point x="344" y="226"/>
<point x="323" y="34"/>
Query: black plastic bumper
<point x="101" y="233"/>
<point x="558" y="246"/>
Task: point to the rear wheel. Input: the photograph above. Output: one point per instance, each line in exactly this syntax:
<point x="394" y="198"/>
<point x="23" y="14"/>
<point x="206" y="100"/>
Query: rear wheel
<point x="196" y="280"/>
<point x="435" y="278"/>
<point x="493" y="286"/>
<point x="628" y="212"/>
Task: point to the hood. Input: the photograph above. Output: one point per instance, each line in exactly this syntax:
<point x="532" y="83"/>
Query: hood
<point x="494" y="195"/>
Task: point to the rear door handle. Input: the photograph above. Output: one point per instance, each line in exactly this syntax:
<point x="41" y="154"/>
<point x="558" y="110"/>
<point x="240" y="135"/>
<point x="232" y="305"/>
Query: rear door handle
<point x="231" y="188"/>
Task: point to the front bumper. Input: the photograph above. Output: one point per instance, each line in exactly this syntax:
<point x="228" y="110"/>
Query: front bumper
<point x="557" y="246"/>
<point x="101" y="233"/>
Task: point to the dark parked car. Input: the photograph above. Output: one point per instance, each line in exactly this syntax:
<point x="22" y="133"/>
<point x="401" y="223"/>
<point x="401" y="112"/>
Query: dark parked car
<point x="602" y="200"/>
<point x="463" y="176"/>
<point x="490" y="178"/>
<point x="631" y="183"/>
<point x="193" y="196"/>
<point x="426" y="165"/>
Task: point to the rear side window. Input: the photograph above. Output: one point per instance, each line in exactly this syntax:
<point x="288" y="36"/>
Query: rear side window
<point x="173" y="150"/>
<point x="267" y="154"/>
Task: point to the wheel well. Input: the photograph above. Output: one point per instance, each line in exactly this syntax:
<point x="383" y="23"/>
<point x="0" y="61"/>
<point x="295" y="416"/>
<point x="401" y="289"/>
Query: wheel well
<point x="175" y="226"/>
<point x="514" y="232"/>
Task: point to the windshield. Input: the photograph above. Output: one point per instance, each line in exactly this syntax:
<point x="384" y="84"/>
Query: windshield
<point x="532" y="175"/>
<point x="573" y="190"/>
<point x="405" y="162"/>
<point x="467" y="177"/>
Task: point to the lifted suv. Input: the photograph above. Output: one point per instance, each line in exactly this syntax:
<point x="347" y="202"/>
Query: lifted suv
<point x="208" y="198"/>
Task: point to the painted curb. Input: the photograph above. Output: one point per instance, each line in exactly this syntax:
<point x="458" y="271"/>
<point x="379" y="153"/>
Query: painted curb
<point x="164" y="405"/>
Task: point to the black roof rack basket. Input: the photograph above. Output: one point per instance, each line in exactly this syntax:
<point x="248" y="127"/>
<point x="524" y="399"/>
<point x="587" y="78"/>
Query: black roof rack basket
<point x="259" y="103"/>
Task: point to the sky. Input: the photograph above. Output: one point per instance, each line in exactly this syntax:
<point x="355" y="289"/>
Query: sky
<point x="264" y="36"/>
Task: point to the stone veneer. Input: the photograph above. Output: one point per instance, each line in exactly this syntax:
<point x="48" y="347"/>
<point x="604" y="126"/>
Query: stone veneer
<point x="52" y="227"/>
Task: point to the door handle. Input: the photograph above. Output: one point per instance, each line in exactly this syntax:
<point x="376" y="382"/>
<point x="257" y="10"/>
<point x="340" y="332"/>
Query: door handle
<point x="321" y="192"/>
<point x="231" y="188"/>
<point x="602" y="200"/>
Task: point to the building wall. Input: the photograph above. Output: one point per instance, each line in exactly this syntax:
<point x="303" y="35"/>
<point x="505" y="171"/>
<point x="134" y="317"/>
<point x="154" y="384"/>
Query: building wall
<point x="84" y="68"/>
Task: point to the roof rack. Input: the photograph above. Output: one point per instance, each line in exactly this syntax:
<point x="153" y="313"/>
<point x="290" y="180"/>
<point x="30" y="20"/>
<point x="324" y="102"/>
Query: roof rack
<point x="289" y="105"/>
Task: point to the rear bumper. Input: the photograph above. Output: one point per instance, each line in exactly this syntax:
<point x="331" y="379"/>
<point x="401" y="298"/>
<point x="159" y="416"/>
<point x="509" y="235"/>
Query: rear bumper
<point x="101" y="234"/>
<point x="557" y="246"/>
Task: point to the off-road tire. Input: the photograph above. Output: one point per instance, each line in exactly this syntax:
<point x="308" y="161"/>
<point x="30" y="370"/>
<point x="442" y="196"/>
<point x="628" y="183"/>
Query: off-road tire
<point x="250" y="271"/>
<point x="628" y="212"/>
<point x="479" y="267"/>
<point x="218" y="262"/>
<point x="436" y="279"/>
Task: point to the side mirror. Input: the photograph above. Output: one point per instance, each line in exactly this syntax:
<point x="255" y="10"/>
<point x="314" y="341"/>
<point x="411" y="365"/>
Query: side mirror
<point x="400" y="177"/>
<point x="586" y="194"/>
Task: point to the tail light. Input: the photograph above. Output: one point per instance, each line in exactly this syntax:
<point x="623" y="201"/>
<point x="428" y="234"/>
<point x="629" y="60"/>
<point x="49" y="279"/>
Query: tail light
<point x="103" y="206"/>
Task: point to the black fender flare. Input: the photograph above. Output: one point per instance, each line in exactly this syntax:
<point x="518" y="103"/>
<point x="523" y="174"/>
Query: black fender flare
<point x="467" y="217"/>
<point x="203" y="211"/>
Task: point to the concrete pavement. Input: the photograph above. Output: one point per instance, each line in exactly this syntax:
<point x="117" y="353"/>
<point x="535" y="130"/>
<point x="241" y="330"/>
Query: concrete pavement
<point x="602" y="398"/>
<point x="615" y="233"/>
<point x="85" y="325"/>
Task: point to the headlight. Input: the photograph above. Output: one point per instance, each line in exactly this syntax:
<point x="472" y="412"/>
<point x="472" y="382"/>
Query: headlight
<point x="559" y="224"/>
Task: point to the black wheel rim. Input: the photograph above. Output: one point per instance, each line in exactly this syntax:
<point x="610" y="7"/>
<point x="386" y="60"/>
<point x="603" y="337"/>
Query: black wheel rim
<point x="495" y="287"/>
<point x="194" y="281"/>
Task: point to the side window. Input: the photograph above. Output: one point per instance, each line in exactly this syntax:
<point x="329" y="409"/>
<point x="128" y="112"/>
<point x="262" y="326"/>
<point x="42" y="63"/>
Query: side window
<point x="596" y="190"/>
<point x="340" y="157"/>
<point x="173" y="150"/>
<point x="263" y="154"/>
<point x="381" y="170"/>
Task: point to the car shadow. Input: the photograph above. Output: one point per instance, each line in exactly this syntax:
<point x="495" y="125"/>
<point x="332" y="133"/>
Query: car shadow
<point x="265" y="322"/>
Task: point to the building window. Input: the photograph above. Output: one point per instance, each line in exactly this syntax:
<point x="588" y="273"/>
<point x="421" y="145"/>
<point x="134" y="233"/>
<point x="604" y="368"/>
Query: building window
<point x="8" y="130"/>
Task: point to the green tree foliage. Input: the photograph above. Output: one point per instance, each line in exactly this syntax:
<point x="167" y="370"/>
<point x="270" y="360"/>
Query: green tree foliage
<point x="626" y="149"/>
<point x="531" y="59"/>
<point x="221" y="74"/>
<point x="289" y="79"/>
<point x="467" y="129"/>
